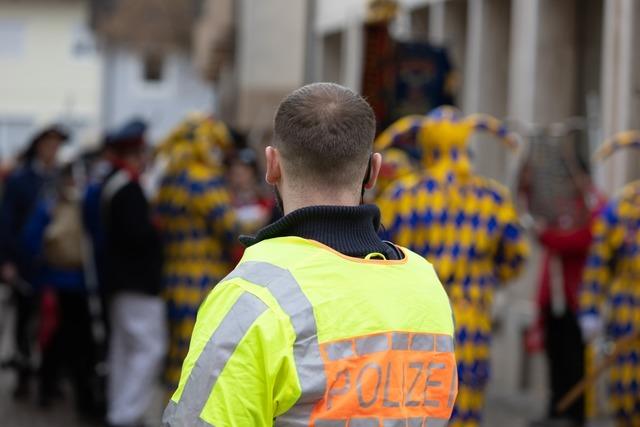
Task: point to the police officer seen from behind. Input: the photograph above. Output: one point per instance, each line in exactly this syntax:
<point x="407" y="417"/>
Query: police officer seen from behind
<point x="321" y="323"/>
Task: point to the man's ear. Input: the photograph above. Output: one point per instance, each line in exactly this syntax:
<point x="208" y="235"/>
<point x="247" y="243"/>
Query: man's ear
<point x="376" y="164"/>
<point x="274" y="171"/>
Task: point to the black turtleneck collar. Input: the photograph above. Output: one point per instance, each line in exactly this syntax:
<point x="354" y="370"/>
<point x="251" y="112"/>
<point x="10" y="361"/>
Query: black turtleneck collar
<point x="350" y="230"/>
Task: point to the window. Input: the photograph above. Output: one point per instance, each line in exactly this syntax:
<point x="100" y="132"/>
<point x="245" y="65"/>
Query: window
<point x="419" y="18"/>
<point x="153" y="68"/>
<point x="332" y="58"/>
<point x="12" y="39"/>
<point x="82" y="42"/>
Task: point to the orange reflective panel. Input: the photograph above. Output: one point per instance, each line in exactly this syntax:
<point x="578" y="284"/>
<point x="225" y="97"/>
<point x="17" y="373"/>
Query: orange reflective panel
<point x="396" y="375"/>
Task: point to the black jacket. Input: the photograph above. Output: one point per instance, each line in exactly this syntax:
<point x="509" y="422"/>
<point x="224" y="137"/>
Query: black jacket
<point x="21" y="192"/>
<point x="133" y="249"/>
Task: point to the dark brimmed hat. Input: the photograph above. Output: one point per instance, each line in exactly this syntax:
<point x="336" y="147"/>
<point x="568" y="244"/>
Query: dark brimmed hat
<point x="54" y="130"/>
<point x="130" y="136"/>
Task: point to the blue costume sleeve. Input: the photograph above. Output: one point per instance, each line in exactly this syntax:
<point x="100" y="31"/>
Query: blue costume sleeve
<point x="34" y="229"/>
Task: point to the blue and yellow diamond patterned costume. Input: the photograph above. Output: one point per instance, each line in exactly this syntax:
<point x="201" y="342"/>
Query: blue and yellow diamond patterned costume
<point x="198" y="226"/>
<point x="465" y="225"/>
<point x="611" y="283"/>
<point x="397" y="166"/>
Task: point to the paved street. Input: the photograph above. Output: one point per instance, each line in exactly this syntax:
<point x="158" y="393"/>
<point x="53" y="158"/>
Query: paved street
<point x="61" y="414"/>
<point x="26" y="414"/>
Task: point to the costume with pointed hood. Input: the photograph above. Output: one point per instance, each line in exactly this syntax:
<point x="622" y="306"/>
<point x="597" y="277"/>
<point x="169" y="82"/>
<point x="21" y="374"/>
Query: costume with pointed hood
<point x="396" y="165"/>
<point x="611" y="284"/>
<point x="465" y="225"/>
<point x="198" y="226"/>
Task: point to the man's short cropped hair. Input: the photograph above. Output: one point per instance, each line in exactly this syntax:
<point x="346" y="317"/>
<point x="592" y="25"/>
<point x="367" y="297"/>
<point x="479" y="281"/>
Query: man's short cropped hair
<point x="325" y="134"/>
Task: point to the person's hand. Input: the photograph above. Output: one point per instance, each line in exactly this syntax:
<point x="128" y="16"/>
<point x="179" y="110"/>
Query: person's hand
<point x="9" y="272"/>
<point x="591" y="326"/>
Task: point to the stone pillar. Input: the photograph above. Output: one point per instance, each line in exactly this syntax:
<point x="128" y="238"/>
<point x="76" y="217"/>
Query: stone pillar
<point x="419" y="21"/>
<point x="543" y="79"/>
<point x="542" y="89"/>
<point x="352" y="54"/>
<point x="620" y="87"/>
<point x="556" y="65"/>
<point x="524" y="33"/>
<point x="448" y="27"/>
<point x="332" y="57"/>
<point x="487" y="76"/>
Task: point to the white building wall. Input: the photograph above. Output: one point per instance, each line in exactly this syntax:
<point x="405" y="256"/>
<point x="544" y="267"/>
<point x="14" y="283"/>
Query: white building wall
<point x="271" y="49"/>
<point x="261" y="44"/>
<point x="164" y="103"/>
<point x="49" y="69"/>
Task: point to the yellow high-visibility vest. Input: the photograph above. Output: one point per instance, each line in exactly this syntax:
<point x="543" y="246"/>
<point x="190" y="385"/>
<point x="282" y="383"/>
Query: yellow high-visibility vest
<point x="301" y="335"/>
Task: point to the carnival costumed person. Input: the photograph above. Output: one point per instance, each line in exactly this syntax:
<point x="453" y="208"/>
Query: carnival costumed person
<point x="610" y="284"/>
<point x="465" y="225"/>
<point x="397" y="165"/>
<point x="33" y="177"/>
<point x="198" y="225"/>
<point x="556" y="189"/>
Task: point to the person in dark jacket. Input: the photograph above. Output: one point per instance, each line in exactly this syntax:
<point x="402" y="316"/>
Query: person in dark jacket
<point x="53" y="238"/>
<point x="133" y="275"/>
<point x="23" y="187"/>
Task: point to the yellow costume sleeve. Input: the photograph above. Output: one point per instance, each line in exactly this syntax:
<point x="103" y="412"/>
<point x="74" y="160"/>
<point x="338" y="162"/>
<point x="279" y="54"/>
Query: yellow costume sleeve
<point x="513" y="247"/>
<point x="608" y="237"/>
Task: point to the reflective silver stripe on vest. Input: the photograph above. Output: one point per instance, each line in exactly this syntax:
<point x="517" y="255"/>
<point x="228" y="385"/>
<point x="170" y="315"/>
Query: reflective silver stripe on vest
<point x="444" y="344"/>
<point x="169" y="419"/>
<point x="395" y="422"/>
<point x="340" y="350"/>
<point x="436" y="422"/>
<point x="372" y="344"/>
<point x="364" y="422"/>
<point x="380" y="342"/>
<point x="400" y="341"/>
<point x="212" y="361"/>
<point x="423" y="342"/>
<point x="306" y="350"/>
<point x="330" y="423"/>
<point x="384" y="422"/>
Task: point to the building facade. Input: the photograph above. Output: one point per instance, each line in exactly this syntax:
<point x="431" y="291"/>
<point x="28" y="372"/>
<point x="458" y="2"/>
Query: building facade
<point x="256" y="52"/>
<point x="535" y="62"/>
<point x="161" y="89"/>
<point x="50" y="69"/>
<point x="149" y="71"/>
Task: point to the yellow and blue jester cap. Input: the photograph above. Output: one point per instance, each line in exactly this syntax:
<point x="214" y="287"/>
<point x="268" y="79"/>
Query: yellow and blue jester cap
<point x="440" y="139"/>
<point x="198" y="138"/>
<point x="630" y="138"/>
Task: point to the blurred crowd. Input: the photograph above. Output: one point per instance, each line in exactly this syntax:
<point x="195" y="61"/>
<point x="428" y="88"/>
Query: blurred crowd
<point x="109" y="254"/>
